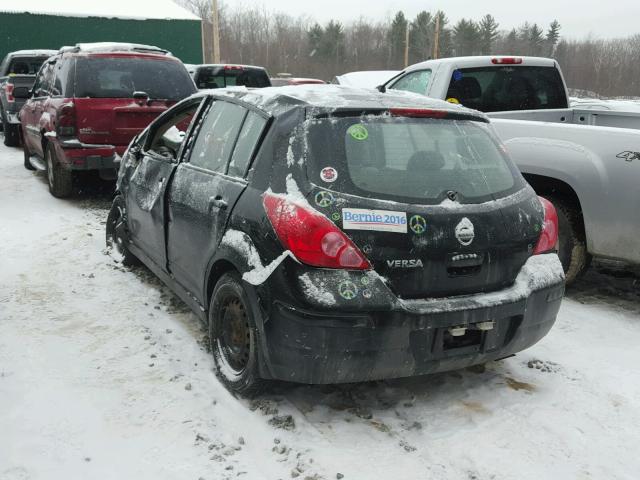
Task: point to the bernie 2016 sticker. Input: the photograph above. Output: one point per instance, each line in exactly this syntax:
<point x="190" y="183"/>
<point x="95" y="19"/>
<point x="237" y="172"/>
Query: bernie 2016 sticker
<point x="377" y="220"/>
<point x="348" y="290"/>
<point x="358" y="132"/>
<point x="329" y="174"/>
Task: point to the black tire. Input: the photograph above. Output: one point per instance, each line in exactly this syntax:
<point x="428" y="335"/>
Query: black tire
<point x="117" y="234"/>
<point x="11" y="133"/>
<point x="27" y="156"/>
<point x="60" y="178"/>
<point x="234" y="337"/>
<point x="572" y="248"/>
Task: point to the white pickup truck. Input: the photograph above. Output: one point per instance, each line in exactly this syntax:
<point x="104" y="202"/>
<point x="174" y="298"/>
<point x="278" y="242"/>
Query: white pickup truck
<point x="585" y="160"/>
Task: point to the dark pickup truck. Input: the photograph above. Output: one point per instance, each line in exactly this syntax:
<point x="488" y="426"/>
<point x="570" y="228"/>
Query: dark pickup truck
<point x="17" y="74"/>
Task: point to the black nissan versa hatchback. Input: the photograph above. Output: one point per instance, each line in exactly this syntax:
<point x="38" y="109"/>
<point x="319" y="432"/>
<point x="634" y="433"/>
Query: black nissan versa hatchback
<point x="329" y="235"/>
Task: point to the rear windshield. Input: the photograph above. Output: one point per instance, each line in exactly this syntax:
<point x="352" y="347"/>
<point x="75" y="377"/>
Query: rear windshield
<point x="408" y="159"/>
<point x="119" y="77"/>
<point x="25" y="65"/>
<point x="220" y="77"/>
<point x="499" y="89"/>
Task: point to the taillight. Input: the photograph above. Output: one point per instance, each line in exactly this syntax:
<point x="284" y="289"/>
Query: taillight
<point x="67" y="120"/>
<point x="418" y="112"/>
<point x="310" y="236"/>
<point x="548" y="240"/>
<point x="8" y="90"/>
<point x="506" y="60"/>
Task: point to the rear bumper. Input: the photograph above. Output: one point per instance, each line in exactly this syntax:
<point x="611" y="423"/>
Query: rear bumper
<point x="413" y="338"/>
<point x="76" y="155"/>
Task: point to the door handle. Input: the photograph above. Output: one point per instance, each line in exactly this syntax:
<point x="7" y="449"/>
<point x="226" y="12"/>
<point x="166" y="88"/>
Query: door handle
<point x="218" y="202"/>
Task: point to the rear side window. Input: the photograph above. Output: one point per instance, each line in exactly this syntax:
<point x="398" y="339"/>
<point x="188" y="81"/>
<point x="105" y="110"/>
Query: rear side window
<point x="119" y="77"/>
<point x="410" y="160"/>
<point x="217" y="136"/>
<point x="25" y="65"/>
<point x="247" y="143"/>
<point x="221" y="77"/>
<point x="498" y="89"/>
<point x="416" y="82"/>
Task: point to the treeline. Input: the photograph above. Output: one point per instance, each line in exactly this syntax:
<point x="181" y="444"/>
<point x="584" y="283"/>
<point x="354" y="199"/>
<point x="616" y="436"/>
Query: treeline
<point x="303" y="47"/>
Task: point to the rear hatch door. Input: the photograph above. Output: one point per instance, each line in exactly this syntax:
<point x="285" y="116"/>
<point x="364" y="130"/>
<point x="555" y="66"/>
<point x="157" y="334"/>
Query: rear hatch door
<point x="434" y="204"/>
<point x="106" y="111"/>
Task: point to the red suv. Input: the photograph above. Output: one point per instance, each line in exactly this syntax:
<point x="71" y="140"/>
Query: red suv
<point x="89" y="101"/>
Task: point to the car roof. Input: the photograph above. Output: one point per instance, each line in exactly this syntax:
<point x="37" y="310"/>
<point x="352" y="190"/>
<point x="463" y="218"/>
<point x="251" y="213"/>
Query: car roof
<point x="278" y="100"/>
<point x="482" y="61"/>
<point x="222" y="65"/>
<point x="115" y="47"/>
<point x="33" y="53"/>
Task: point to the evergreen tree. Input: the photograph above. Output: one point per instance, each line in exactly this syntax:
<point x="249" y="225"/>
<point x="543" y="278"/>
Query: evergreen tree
<point x="421" y="37"/>
<point x="536" y="40"/>
<point x="397" y="36"/>
<point x="465" y="37"/>
<point x="445" y="44"/>
<point x="314" y="39"/>
<point x="553" y="35"/>
<point x="488" y="33"/>
<point x="332" y="44"/>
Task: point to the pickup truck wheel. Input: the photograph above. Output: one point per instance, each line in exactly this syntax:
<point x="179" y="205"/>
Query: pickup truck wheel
<point x="60" y="179"/>
<point x="233" y="336"/>
<point x="11" y="133"/>
<point x="117" y="234"/>
<point x="27" y="156"/>
<point x="572" y="248"/>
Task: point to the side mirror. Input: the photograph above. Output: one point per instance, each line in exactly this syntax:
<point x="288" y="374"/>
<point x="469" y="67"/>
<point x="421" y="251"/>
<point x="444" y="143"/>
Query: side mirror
<point x="381" y="88"/>
<point x="22" y="92"/>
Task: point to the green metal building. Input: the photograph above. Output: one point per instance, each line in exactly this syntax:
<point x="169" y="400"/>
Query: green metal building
<point x="51" y="24"/>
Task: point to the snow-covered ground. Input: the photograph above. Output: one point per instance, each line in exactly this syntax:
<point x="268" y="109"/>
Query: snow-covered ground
<point x="104" y="374"/>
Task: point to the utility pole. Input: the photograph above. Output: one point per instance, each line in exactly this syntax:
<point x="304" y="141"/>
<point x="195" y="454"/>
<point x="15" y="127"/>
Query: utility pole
<point x="215" y="38"/>
<point x="436" y="39"/>
<point x="406" y="46"/>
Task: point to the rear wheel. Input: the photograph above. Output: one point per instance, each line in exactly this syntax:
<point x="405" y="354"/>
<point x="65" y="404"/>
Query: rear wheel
<point x="60" y="178"/>
<point x="234" y="339"/>
<point x="11" y="133"/>
<point x="27" y="156"/>
<point x="572" y="248"/>
<point x="117" y="236"/>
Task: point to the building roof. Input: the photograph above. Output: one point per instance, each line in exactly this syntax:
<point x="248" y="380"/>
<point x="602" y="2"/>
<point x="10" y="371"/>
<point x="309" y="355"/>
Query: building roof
<point x="122" y="9"/>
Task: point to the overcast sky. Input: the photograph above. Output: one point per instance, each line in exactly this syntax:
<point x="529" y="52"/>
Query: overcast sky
<point x="601" y="18"/>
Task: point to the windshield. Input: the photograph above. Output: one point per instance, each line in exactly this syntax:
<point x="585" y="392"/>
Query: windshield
<point x="118" y="77"/>
<point x="220" y="77"/>
<point x="25" y="65"/>
<point x="499" y="89"/>
<point x="415" y="160"/>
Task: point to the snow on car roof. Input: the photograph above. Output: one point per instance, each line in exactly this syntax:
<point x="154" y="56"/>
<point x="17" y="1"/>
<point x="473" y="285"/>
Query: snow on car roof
<point x="277" y="100"/>
<point x="33" y="53"/>
<point x="366" y="78"/>
<point x="124" y="9"/>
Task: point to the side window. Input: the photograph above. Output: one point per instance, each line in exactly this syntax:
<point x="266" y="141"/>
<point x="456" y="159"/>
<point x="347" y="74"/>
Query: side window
<point x="217" y="136"/>
<point x="168" y="137"/>
<point x="416" y="82"/>
<point x="38" y="86"/>
<point x="61" y="81"/>
<point x="246" y="144"/>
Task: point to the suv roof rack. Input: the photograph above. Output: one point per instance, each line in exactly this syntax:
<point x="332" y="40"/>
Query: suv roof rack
<point x="115" y="47"/>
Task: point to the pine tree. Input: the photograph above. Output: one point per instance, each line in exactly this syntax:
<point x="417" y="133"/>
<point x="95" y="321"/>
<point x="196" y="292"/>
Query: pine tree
<point x="553" y="35"/>
<point x="536" y="40"/>
<point x="314" y="39"/>
<point x="421" y="37"/>
<point x="488" y="32"/>
<point x="332" y="44"/>
<point x="445" y="44"/>
<point x="465" y="37"/>
<point x="397" y="36"/>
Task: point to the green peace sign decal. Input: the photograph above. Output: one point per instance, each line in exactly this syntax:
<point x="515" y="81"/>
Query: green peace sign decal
<point x="358" y="132"/>
<point x="324" y="199"/>
<point x="348" y="290"/>
<point x="417" y="224"/>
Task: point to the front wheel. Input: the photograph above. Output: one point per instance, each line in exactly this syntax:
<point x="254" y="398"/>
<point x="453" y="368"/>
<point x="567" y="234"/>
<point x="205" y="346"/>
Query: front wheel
<point x="117" y="236"/>
<point x="234" y="337"/>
